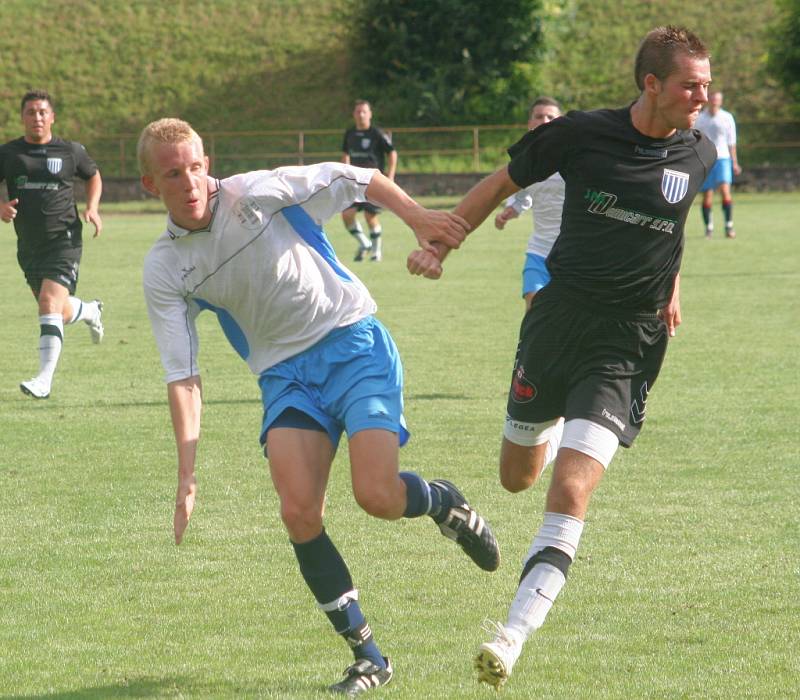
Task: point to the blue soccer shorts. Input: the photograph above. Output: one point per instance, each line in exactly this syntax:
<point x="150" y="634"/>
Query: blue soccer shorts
<point x="534" y="274"/>
<point x="351" y="380"/>
<point x="721" y="173"/>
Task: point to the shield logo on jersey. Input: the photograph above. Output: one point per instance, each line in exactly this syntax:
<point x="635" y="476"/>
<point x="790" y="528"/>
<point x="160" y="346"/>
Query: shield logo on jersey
<point x="674" y="185"/>
<point x="365" y="143"/>
<point x="54" y="165"/>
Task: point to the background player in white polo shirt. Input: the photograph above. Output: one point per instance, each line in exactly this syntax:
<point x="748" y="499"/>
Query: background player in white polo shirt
<point x="718" y="124"/>
<point x="546" y="199"/>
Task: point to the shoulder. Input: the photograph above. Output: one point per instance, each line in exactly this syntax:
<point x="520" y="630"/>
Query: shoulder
<point x="700" y="143"/>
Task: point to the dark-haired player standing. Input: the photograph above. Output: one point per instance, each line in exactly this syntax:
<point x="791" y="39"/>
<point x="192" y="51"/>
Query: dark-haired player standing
<point x="39" y="170"/>
<point x="592" y="344"/>
<point x="367" y="146"/>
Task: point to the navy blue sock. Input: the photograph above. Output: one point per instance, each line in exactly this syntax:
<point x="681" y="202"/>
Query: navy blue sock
<point x="327" y="576"/>
<point x="421" y="497"/>
<point x="706" y="215"/>
<point x="727" y="209"/>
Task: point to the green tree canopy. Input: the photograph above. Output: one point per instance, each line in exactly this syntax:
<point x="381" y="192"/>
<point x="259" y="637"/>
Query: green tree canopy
<point x="447" y="61"/>
<point x="784" y="51"/>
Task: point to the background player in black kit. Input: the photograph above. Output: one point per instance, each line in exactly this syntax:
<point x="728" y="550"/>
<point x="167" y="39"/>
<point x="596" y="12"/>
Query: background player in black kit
<point x="39" y="170"/>
<point x="592" y="344"/>
<point x="368" y="147"/>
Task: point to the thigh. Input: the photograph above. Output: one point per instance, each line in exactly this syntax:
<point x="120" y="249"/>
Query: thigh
<point x="52" y="297"/>
<point x="299" y="465"/>
<point x="619" y="367"/>
<point x="374" y="471"/>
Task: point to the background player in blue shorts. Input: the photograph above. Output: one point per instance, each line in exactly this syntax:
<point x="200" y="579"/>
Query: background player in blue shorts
<point x="718" y="124"/>
<point x="545" y="200"/>
<point x="250" y="248"/>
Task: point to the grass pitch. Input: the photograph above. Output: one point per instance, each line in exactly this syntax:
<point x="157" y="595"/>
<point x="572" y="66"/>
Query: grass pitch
<point x="687" y="579"/>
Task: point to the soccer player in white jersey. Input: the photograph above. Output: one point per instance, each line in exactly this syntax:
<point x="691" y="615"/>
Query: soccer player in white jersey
<point x="251" y="249"/>
<point x="546" y="199"/>
<point x="718" y="124"/>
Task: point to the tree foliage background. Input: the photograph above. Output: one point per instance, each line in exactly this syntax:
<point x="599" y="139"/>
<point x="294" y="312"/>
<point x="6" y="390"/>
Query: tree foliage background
<point x="448" y="61"/>
<point x="785" y="49"/>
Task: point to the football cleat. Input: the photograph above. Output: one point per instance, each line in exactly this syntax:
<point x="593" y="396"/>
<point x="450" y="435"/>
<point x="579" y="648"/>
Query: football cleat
<point x="36" y="387"/>
<point x="361" y="252"/>
<point x="96" y="326"/>
<point x="495" y="659"/>
<point x="362" y="676"/>
<point x="730" y="233"/>
<point x="376" y="256"/>
<point x="467" y="528"/>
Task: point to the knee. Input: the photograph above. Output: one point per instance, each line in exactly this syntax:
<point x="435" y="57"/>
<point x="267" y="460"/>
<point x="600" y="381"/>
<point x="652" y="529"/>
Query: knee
<point x="380" y="500"/>
<point x="302" y="521"/>
<point x="569" y="495"/>
<point x="517" y="473"/>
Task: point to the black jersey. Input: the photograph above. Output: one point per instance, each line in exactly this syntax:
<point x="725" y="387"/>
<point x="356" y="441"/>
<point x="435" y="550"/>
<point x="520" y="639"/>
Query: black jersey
<point x="41" y="177"/>
<point x="367" y="148"/>
<point x="626" y="202"/>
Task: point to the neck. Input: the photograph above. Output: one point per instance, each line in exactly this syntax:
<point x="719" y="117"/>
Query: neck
<point x="645" y="120"/>
<point x="38" y="141"/>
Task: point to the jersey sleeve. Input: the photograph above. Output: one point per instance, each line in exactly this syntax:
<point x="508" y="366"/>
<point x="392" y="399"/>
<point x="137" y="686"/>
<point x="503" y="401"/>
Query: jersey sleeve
<point x="540" y="153"/>
<point x="172" y="318"/>
<point x="323" y="189"/>
<point x="85" y="167"/>
<point x="731" y="130"/>
<point x="386" y="142"/>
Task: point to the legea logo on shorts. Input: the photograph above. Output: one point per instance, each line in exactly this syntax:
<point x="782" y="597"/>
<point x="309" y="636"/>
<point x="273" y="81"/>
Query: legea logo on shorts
<point x="522" y="391"/>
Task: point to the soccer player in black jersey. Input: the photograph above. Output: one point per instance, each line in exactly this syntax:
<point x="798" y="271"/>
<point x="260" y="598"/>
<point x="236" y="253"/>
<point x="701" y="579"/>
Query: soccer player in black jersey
<point x="367" y="146"/>
<point x="592" y="344"/>
<point x="39" y="170"/>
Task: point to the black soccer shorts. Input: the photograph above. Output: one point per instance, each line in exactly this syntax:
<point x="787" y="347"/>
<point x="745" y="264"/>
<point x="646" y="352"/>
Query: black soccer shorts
<point x="57" y="260"/>
<point x="580" y="362"/>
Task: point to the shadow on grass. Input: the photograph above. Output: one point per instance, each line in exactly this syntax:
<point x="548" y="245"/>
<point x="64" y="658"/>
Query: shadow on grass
<point x="436" y="397"/>
<point x="170" y="687"/>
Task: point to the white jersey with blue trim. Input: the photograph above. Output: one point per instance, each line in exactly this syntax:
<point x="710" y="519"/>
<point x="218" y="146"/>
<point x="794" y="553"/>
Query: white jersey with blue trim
<point x="720" y="128"/>
<point x="263" y="265"/>
<point x="546" y="198"/>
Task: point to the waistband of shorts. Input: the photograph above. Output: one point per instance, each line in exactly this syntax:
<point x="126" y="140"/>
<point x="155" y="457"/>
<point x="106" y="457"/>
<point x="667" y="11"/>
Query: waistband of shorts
<point x="337" y="333"/>
<point x="561" y="293"/>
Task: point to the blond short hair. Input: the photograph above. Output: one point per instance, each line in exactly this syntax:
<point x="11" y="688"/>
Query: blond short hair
<point x="167" y="130"/>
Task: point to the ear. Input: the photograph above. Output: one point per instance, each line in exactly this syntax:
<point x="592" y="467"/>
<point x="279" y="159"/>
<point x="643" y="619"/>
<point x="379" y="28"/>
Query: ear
<point x="652" y="85"/>
<point x="150" y="185"/>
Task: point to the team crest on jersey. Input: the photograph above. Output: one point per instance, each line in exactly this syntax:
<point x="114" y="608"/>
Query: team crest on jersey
<point x="54" y="165"/>
<point x="674" y="185"/>
<point x="522" y="390"/>
<point x="365" y="143"/>
<point x="248" y="212"/>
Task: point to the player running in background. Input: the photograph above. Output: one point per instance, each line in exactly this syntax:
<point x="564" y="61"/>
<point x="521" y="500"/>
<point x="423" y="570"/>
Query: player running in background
<point x="593" y="342"/>
<point x="546" y="199"/>
<point x="367" y="146"/>
<point x="251" y="249"/>
<point x="719" y="125"/>
<point x="39" y="170"/>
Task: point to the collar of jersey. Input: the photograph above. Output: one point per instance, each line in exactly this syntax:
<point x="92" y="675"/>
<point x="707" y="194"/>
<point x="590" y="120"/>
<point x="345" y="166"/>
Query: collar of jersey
<point x="176" y="231"/>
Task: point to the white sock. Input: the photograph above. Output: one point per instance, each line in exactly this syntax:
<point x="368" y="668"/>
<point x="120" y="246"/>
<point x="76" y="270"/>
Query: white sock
<point x="50" y="340"/>
<point x="538" y="589"/>
<point x="375" y="237"/>
<point x="83" y="310"/>
<point x="358" y="233"/>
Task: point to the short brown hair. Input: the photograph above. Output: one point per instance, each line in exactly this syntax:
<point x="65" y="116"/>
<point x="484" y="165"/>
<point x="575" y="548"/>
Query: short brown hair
<point x="168" y="130"/>
<point x="659" y="48"/>
<point x="543" y="100"/>
<point x="33" y="95"/>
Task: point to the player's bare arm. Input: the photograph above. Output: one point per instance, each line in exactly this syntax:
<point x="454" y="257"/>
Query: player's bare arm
<point x="94" y="188"/>
<point x="391" y="168"/>
<point x="185" y="406"/>
<point x="671" y="313"/>
<point x="8" y="210"/>
<point x="428" y="225"/>
<point x="477" y="204"/>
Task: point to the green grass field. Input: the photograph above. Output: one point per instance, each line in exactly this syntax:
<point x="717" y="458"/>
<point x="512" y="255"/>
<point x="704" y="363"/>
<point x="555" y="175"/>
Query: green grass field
<point x="687" y="579"/>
